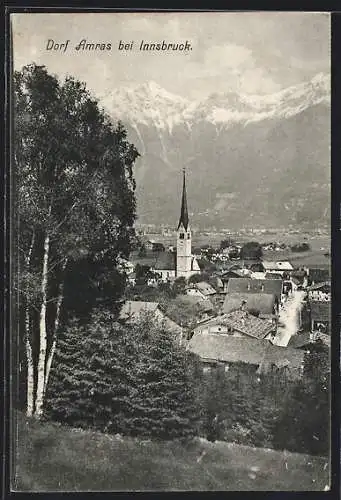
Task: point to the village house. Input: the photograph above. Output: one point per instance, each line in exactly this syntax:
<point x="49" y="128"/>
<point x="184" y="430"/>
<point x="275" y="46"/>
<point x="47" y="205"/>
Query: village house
<point x="201" y="289"/>
<point x="277" y="266"/>
<point x="320" y="317"/>
<point x="267" y="286"/>
<point x="318" y="275"/>
<point x="263" y="305"/>
<point x="305" y="340"/>
<point x="133" y="311"/>
<point x="320" y="292"/>
<point x="237" y="323"/>
<point x="217" y="350"/>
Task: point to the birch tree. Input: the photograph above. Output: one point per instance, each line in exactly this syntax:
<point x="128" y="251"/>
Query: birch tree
<point x="75" y="199"/>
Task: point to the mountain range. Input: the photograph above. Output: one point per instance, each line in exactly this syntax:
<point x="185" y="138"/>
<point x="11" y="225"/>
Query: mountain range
<point x="251" y="160"/>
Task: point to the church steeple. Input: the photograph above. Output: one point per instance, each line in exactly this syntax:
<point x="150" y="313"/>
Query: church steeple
<point x="184" y="210"/>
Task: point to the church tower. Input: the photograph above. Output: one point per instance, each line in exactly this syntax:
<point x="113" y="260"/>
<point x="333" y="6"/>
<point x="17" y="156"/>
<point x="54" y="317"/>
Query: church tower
<point x="184" y="238"/>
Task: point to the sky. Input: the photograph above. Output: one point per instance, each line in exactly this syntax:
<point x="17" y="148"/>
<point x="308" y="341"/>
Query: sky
<point x="246" y="52"/>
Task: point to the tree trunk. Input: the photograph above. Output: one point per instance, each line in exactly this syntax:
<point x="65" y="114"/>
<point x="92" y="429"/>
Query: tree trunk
<point x="42" y="331"/>
<point x="56" y="325"/>
<point x="30" y="367"/>
<point x="28" y="347"/>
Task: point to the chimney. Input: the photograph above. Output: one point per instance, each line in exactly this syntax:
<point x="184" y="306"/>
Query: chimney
<point x="248" y="286"/>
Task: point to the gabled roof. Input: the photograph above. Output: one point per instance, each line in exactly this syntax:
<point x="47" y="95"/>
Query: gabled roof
<point x="148" y="259"/>
<point x="165" y="261"/>
<point x="205" y="288"/>
<point x="132" y="309"/>
<point x="261" y="353"/>
<point x="226" y="348"/>
<point x="320" y="311"/>
<point x="243" y="322"/>
<point x="283" y="265"/>
<point x="262" y="302"/>
<point x="242" y="285"/>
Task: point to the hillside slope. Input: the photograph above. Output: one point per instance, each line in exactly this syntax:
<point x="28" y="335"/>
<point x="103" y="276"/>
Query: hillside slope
<point x="55" y="458"/>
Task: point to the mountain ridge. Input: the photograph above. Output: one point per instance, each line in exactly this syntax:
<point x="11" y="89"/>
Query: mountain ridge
<point x="270" y="154"/>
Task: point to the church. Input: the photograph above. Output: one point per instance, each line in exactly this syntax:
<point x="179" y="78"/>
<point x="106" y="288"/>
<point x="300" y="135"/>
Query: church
<point x="186" y="264"/>
<point x="180" y="263"/>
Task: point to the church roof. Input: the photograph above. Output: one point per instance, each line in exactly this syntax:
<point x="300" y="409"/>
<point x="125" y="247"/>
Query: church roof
<point x="166" y="261"/>
<point x="184" y="210"/>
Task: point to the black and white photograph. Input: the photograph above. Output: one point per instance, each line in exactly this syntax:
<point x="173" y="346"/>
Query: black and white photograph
<point x="171" y="251"/>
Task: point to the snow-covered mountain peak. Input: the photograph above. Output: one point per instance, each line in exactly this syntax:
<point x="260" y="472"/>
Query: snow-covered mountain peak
<point x="151" y="105"/>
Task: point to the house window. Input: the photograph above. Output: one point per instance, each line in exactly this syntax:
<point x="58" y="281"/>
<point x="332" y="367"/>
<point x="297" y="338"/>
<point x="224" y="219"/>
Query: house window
<point x="181" y="236"/>
<point x="188" y="236"/>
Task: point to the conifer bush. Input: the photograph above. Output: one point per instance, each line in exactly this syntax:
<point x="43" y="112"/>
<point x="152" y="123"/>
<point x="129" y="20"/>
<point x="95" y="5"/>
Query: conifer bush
<point x="123" y="379"/>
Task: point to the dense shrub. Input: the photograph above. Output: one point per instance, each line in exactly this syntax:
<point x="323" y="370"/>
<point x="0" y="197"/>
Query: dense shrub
<point x="122" y="379"/>
<point x="300" y="247"/>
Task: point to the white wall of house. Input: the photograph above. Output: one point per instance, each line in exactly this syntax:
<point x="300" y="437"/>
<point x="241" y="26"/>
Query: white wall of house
<point x="194" y="292"/>
<point x="319" y="296"/>
<point x="165" y="274"/>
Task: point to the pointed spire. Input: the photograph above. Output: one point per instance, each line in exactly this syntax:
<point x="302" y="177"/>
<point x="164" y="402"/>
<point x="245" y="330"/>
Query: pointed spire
<point x="184" y="211"/>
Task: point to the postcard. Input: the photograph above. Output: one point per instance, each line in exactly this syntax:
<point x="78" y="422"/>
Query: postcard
<point x="171" y="251"/>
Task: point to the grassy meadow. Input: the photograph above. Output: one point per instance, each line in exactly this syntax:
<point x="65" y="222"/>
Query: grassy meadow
<point x="50" y="457"/>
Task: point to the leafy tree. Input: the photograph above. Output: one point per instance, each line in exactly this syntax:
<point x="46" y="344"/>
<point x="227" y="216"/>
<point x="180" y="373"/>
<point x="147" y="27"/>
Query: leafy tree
<point x="142" y="251"/>
<point x="196" y="278"/>
<point x="185" y="310"/>
<point x="179" y="285"/>
<point x="251" y="250"/>
<point x="300" y="247"/>
<point x="75" y="203"/>
<point x="143" y="274"/>
<point x="226" y="243"/>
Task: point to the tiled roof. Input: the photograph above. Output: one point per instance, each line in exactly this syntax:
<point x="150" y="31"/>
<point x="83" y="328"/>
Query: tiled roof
<point x="273" y="276"/>
<point x="217" y="347"/>
<point x="243" y="322"/>
<point x="242" y="285"/>
<point x="205" y="288"/>
<point x="320" y="311"/>
<point x="225" y="348"/>
<point x="262" y="302"/>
